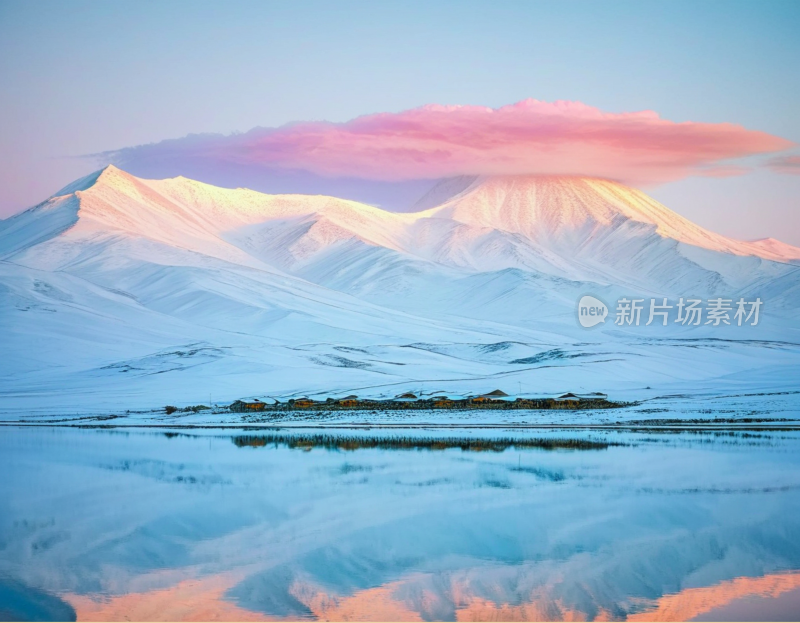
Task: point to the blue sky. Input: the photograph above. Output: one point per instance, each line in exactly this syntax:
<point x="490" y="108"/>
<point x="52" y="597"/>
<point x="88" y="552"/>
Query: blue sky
<point x="87" y="77"/>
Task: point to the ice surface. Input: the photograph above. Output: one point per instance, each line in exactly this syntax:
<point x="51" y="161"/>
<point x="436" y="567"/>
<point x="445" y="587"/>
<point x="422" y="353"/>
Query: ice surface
<point x="383" y="525"/>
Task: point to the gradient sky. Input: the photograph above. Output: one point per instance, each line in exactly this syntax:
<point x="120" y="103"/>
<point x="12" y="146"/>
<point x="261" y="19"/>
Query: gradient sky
<point x="82" y="78"/>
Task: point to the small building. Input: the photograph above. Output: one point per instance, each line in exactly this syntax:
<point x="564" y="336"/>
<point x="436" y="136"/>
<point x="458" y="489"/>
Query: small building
<point x="570" y="397"/>
<point x="566" y="398"/>
<point x="495" y="396"/>
<point x="348" y="401"/>
<point x="244" y="406"/>
<point x="302" y="403"/>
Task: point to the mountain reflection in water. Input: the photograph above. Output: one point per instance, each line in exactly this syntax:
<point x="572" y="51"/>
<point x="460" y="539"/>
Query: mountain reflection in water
<point x="398" y="525"/>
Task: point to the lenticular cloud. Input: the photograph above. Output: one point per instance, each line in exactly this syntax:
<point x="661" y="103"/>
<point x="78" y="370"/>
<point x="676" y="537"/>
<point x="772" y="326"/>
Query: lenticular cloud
<point x="530" y="137"/>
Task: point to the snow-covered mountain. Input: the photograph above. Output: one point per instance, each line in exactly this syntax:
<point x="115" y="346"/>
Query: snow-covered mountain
<point x="119" y="290"/>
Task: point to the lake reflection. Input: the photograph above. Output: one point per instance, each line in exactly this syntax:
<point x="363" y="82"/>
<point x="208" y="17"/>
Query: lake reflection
<point x="399" y="525"/>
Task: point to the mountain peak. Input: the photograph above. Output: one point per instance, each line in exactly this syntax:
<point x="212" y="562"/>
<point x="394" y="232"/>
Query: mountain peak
<point x="548" y="209"/>
<point x="85" y="183"/>
<point x="536" y="205"/>
<point x="111" y="174"/>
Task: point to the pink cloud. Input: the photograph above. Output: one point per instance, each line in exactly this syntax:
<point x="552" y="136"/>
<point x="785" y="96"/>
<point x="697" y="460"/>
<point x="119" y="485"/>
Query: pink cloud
<point x="724" y="171"/>
<point x="785" y="164"/>
<point x="529" y="137"/>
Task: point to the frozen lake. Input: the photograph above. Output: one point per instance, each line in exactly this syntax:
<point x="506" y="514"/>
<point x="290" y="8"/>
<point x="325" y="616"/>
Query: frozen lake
<point x="399" y="524"/>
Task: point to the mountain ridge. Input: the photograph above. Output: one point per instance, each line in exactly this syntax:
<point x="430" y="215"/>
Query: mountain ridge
<point x="540" y="208"/>
<point x="134" y="292"/>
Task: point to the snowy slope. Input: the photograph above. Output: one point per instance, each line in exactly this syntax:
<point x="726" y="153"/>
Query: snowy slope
<point x="775" y="249"/>
<point x="119" y="291"/>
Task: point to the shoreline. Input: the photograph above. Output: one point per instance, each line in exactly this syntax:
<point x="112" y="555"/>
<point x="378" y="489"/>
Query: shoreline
<point x="709" y="426"/>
